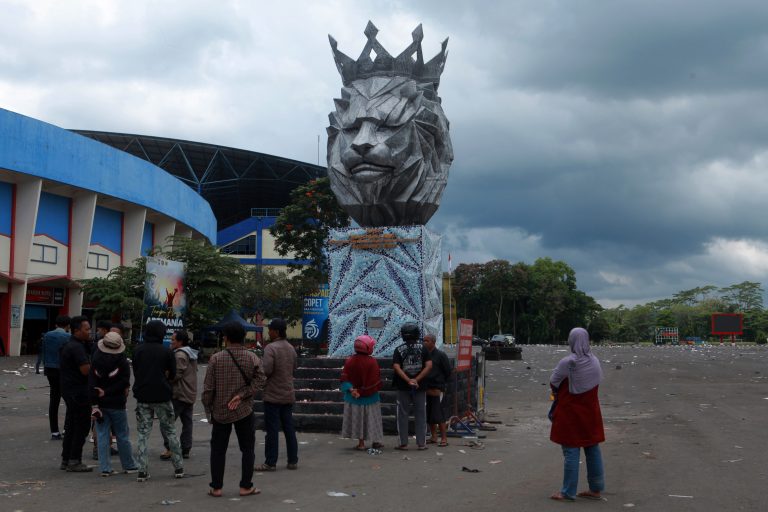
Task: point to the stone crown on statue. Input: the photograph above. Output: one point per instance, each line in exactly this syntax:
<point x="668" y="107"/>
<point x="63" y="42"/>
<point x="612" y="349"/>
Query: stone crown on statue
<point x="385" y="65"/>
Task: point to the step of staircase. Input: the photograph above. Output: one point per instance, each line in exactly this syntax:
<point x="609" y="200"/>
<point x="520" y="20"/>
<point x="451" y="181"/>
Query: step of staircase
<point x="319" y="404"/>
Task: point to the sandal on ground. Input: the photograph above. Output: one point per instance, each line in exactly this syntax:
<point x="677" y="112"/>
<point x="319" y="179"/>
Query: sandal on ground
<point x="421" y="448"/>
<point x="442" y="444"/>
<point x="431" y="441"/>
<point x="250" y="492"/>
<point x="402" y="447"/>
<point x="214" y="493"/>
<point x="590" y="495"/>
<point x="360" y="448"/>
<point x="377" y="446"/>
<point x="263" y="468"/>
<point x="558" y="496"/>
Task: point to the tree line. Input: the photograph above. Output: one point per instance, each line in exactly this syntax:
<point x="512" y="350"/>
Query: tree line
<point x="690" y="311"/>
<point x="537" y="303"/>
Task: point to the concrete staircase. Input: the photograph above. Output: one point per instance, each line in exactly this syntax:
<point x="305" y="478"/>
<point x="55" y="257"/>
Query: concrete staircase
<point x="319" y="403"/>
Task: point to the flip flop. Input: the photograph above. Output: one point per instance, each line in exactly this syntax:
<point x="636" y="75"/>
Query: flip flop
<point x="431" y="441"/>
<point x="402" y="447"/>
<point x="212" y="493"/>
<point x="442" y="444"/>
<point x="264" y="468"/>
<point x="421" y="448"/>
<point x="558" y="496"/>
<point x="590" y="495"/>
<point x="360" y="448"/>
<point x="251" y="492"/>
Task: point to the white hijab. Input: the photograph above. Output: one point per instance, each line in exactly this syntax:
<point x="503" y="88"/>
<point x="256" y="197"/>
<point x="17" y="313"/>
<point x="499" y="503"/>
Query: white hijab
<point x="581" y="367"/>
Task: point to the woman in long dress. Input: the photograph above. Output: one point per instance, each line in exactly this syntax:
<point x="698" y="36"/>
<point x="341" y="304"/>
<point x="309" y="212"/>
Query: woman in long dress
<point x="361" y="382"/>
<point x="576" y="420"/>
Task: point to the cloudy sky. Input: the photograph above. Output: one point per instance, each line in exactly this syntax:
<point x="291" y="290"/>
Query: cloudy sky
<point x="627" y="138"/>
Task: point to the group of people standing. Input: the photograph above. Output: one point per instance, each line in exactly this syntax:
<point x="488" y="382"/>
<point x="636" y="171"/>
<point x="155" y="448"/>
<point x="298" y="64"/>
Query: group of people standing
<point x="420" y="374"/>
<point x="94" y="379"/>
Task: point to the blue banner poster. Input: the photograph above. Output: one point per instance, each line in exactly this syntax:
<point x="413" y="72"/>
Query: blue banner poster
<point x="164" y="295"/>
<point x="315" y="320"/>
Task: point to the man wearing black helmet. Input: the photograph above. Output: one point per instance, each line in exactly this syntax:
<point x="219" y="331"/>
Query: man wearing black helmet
<point x="411" y="363"/>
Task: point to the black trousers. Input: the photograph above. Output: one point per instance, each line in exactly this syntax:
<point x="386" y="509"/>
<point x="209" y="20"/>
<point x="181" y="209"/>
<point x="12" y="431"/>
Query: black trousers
<point x="77" y="425"/>
<point x="54" y="380"/>
<point x="246" y="439"/>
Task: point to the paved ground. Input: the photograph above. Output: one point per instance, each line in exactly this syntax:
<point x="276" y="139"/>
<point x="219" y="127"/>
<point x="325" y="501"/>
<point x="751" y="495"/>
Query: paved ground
<point x="685" y="427"/>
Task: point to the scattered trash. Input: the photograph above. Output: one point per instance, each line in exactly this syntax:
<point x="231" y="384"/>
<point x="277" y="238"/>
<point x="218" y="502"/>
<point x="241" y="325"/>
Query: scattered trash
<point x="462" y="451"/>
<point x="439" y="454"/>
<point x="467" y="470"/>
<point x="405" y="457"/>
<point x="204" y="420"/>
<point x="494" y="462"/>
<point x="303" y="442"/>
<point x="234" y="499"/>
<point x="618" y="367"/>
<point x="335" y="494"/>
<point x="22" y="388"/>
<point x="679" y="496"/>
<point x="629" y="505"/>
<point x="170" y="502"/>
<point x="374" y="451"/>
<point x="735" y="460"/>
<point x="289" y="501"/>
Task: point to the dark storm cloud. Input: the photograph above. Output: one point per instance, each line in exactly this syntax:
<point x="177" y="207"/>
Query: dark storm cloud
<point x="627" y="138"/>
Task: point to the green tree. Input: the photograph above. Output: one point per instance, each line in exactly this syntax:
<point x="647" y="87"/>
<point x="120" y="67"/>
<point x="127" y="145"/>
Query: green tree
<point x="213" y="282"/>
<point x="302" y="228"/>
<point x="120" y="295"/>
<point x="745" y="296"/>
<point x="552" y="282"/>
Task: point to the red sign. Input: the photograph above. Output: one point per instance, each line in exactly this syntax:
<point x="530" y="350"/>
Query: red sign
<point x="727" y="323"/>
<point x="464" y="356"/>
<point x="45" y="295"/>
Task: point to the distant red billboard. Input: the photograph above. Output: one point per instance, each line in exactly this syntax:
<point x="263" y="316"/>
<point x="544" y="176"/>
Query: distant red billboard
<point x="727" y="323"/>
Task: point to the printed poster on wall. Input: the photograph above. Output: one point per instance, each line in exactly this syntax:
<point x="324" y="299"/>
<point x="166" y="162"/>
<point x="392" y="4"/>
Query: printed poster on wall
<point x="164" y="295"/>
<point x="314" y="321"/>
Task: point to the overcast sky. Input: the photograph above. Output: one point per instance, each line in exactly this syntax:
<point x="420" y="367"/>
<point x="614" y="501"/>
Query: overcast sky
<point x="627" y="138"/>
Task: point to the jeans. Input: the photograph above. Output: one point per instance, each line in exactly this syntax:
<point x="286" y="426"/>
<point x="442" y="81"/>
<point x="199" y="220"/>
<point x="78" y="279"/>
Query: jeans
<point x="182" y="410"/>
<point x="419" y="400"/>
<point x="77" y="425"/>
<point x="246" y="439"/>
<point x="145" y="412"/>
<point x="115" y="420"/>
<point x="595" y="472"/>
<point x="274" y="416"/>
<point x="54" y="381"/>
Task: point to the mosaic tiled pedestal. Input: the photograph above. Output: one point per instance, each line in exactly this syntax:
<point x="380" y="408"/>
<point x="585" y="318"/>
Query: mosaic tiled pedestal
<point x="390" y="275"/>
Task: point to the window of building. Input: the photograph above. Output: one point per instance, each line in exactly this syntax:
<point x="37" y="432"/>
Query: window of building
<point x="44" y="253"/>
<point x="98" y="261"/>
<point x="245" y="246"/>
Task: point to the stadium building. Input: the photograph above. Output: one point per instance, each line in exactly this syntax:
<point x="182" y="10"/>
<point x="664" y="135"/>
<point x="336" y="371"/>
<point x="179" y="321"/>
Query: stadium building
<point x="75" y="205"/>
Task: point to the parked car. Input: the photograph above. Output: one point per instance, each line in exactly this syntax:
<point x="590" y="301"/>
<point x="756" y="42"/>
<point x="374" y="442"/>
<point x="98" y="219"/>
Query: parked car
<point x="502" y="340"/>
<point x="477" y="341"/>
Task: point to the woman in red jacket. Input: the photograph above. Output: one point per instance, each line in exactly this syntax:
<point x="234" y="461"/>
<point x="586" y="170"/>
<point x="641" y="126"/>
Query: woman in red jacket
<point x="361" y="382"/>
<point x="576" y="420"/>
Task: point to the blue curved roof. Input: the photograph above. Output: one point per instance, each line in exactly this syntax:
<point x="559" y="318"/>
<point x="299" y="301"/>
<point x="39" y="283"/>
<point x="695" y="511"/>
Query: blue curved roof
<point x="40" y="149"/>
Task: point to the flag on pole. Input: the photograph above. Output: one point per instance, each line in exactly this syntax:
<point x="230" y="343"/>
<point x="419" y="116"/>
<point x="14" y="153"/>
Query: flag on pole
<point x="449" y="262"/>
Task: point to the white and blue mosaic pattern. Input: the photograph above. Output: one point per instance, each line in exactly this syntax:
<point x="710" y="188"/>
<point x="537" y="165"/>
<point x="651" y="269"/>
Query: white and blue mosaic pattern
<point x="400" y="284"/>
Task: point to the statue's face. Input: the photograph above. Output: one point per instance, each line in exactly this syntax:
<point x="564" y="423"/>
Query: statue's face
<point x="388" y="152"/>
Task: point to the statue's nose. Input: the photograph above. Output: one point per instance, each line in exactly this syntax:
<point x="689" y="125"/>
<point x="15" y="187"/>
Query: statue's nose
<point x="365" y="138"/>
